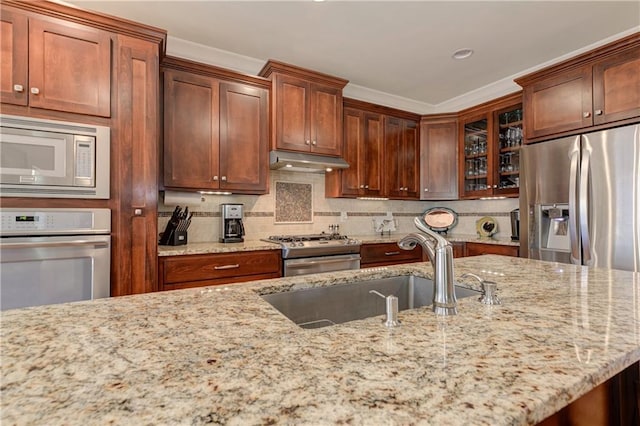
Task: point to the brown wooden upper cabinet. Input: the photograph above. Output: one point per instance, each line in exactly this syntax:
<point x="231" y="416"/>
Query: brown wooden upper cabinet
<point x="593" y="89"/>
<point x="439" y="157"/>
<point x="402" y="158"/>
<point x="215" y="129"/>
<point x="363" y="149"/>
<point x="307" y="109"/>
<point x="45" y="63"/>
<point x="490" y="138"/>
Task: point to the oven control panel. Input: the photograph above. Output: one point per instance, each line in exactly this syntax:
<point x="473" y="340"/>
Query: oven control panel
<point x="25" y="222"/>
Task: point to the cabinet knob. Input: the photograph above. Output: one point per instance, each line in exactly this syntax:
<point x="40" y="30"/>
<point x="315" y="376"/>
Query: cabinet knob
<point x="137" y="212"/>
<point x="495" y="186"/>
<point x="426" y="190"/>
<point x="223" y="178"/>
<point x="586" y="114"/>
<point x="314" y="143"/>
<point x="307" y="142"/>
<point x="35" y="90"/>
<point x="598" y="112"/>
<point x="18" y="88"/>
<point x="362" y="186"/>
<point x="215" y="178"/>
<point x="366" y="187"/>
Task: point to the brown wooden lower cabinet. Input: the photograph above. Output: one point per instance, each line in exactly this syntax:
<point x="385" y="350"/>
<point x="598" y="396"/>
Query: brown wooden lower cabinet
<point x="476" y="249"/>
<point x="383" y="254"/>
<point x="614" y="402"/>
<point x="199" y="270"/>
<point x="458" y="248"/>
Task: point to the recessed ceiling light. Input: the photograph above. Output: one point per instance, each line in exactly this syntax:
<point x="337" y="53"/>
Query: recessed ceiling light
<point x="462" y="53"/>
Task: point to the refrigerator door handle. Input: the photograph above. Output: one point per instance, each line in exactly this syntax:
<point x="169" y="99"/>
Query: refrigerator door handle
<point x="584" y="205"/>
<point x="574" y="156"/>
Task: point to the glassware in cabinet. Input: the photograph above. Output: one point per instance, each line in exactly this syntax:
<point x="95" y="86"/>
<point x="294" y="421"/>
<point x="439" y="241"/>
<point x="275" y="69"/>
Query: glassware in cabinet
<point x="476" y="173"/>
<point x="510" y="138"/>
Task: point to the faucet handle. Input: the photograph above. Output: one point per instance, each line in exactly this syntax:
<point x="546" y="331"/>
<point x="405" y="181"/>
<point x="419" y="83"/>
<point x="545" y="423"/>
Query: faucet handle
<point x="392" y="309"/>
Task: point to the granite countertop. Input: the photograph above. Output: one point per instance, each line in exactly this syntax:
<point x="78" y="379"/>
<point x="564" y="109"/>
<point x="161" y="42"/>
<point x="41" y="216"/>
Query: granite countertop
<point x="251" y="245"/>
<point x="216" y="247"/>
<point x="223" y="355"/>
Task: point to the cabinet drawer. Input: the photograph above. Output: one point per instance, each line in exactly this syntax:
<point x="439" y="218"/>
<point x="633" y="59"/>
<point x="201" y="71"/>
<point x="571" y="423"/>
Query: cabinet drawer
<point x="182" y="269"/>
<point x="476" y="249"/>
<point x="388" y="254"/>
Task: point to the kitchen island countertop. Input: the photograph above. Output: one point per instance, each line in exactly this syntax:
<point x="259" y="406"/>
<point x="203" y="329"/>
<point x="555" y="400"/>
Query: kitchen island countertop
<point x="252" y="245"/>
<point x="223" y="355"/>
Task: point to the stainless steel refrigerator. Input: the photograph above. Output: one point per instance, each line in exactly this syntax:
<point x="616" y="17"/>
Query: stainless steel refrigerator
<point x="580" y="199"/>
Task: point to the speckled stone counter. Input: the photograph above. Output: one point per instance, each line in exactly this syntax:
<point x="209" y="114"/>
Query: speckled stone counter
<point x="251" y="245"/>
<point x="471" y="238"/>
<point x="223" y="355"/>
<point x="215" y="247"/>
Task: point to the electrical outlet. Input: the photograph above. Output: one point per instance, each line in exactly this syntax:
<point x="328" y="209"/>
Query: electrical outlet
<point x="343" y="216"/>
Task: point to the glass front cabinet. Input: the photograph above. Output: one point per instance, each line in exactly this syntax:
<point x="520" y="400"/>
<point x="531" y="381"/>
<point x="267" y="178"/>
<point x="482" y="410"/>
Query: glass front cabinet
<point x="490" y="140"/>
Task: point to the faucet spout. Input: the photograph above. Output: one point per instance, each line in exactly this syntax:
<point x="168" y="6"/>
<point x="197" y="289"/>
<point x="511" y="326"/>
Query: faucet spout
<point x="440" y="255"/>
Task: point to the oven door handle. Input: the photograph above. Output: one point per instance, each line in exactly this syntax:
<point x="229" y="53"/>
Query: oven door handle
<point x="47" y="244"/>
<point x="311" y="263"/>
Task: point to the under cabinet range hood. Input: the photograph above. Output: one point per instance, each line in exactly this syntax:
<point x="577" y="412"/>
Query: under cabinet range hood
<point x="303" y="162"/>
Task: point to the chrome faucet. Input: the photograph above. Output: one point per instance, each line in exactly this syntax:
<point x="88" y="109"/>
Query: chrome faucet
<point x="440" y="254"/>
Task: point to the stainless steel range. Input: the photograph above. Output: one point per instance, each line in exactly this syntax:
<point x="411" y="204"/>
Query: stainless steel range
<point x="315" y="253"/>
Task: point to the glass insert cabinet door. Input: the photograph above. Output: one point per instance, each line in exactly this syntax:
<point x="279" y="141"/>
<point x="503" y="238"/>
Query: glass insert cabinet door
<point x="510" y="139"/>
<point x="476" y="156"/>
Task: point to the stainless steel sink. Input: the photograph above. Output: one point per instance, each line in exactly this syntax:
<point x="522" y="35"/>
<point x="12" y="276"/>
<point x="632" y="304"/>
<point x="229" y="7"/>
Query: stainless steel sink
<point x="324" y="306"/>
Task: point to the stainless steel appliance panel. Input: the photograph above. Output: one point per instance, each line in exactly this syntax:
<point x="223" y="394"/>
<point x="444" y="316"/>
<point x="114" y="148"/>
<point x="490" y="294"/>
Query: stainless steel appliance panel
<point x="316" y="265"/>
<point x="609" y="198"/>
<point x="54" y="256"/>
<point x="45" y="270"/>
<point x="545" y="174"/>
<point x="581" y="196"/>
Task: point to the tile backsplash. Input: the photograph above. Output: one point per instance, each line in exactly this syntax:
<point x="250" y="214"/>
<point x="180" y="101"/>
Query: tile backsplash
<point x="266" y="215"/>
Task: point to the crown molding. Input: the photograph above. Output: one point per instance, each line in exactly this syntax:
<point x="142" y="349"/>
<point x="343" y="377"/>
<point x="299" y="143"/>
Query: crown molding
<point x="245" y="64"/>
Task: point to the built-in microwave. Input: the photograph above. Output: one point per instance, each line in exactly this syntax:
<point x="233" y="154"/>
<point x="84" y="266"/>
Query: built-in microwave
<point x="48" y="158"/>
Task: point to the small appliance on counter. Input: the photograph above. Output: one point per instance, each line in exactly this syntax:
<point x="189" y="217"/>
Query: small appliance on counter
<point x="175" y="233"/>
<point x="232" y="229"/>
<point x="515" y="225"/>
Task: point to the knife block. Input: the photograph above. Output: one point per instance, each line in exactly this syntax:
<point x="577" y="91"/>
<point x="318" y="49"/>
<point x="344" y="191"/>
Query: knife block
<point x="178" y="238"/>
<point x="172" y="237"/>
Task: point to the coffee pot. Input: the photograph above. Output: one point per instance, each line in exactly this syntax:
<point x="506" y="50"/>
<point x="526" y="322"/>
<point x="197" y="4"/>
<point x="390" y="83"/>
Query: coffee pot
<point x="232" y="228"/>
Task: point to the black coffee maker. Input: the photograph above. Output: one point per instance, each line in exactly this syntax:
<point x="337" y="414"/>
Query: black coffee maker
<point x="515" y="225"/>
<point x="231" y="227"/>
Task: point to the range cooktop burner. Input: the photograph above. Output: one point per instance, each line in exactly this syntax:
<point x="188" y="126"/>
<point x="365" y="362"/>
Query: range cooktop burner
<point x="294" y="246"/>
<point x="309" y="237"/>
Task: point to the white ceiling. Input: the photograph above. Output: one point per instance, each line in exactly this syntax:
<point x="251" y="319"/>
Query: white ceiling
<point x="402" y="49"/>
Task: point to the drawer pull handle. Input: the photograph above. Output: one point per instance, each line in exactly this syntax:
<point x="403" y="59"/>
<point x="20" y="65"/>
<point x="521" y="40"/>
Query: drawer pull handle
<point x="391" y="253"/>
<point x="236" y="265"/>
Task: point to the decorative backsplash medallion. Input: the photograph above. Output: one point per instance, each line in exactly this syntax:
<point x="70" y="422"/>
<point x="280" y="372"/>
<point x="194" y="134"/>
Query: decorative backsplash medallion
<point x="294" y="202"/>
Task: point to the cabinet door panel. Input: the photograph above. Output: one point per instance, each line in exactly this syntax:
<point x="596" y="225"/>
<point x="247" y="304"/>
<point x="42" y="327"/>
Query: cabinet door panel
<point x="353" y="140"/>
<point x="559" y="104"/>
<point x="392" y="148"/>
<point x="477" y="249"/>
<point x="70" y="66"/>
<point x="292" y="114"/>
<point x="13" y="50"/>
<point x="244" y="139"/>
<point x="410" y="160"/>
<point x="616" y="88"/>
<point x="439" y="160"/>
<point x="191" y="140"/>
<point x="134" y="177"/>
<point x="373" y="155"/>
<point x="326" y="119"/>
